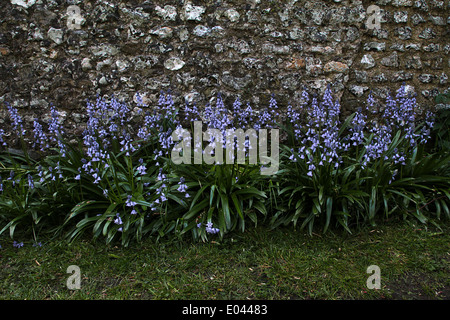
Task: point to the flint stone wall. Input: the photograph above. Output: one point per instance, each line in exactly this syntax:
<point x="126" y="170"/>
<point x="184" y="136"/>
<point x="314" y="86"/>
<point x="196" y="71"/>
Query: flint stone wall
<point x="196" y="49"/>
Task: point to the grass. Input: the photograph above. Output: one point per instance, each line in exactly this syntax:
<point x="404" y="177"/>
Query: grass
<point x="259" y="264"/>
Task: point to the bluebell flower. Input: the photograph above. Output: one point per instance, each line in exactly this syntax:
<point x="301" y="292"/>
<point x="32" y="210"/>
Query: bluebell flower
<point x="357" y="128"/>
<point x="30" y="182"/>
<point x="191" y="114"/>
<point x="17" y="244"/>
<point x="425" y="132"/>
<point x="118" y="220"/>
<point x="39" y="137"/>
<point x="56" y="131"/>
<point x="161" y="176"/>
<point x="273" y="108"/>
<point x="16" y="120"/>
<point x="141" y="169"/>
<point x="12" y="175"/>
<point x="2" y="142"/>
<point x="182" y="186"/>
<point x="209" y="228"/>
<point x="129" y="202"/>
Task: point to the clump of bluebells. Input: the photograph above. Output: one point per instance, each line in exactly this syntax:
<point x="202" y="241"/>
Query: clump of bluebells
<point x="120" y="182"/>
<point x="350" y="168"/>
<point x="320" y="142"/>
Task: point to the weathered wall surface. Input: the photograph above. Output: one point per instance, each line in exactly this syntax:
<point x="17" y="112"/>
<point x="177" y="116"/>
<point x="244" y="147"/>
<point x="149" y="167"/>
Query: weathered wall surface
<point x="197" y="48"/>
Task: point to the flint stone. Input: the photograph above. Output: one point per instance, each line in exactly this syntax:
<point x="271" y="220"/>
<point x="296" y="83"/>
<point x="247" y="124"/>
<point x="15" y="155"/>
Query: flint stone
<point x="218" y="32"/>
<point x="401" y="76"/>
<point x="375" y="46"/>
<point x="193" y="13"/>
<point x="163" y="33"/>
<point x="236" y="82"/>
<point x="422" y="5"/>
<point x="402" y="3"/>
<point x="232" y="15"/>
<point x="104" y="50"/>
<point x="297" y="34"/>
<point x="427" y="34"/>
<point x="296" y="63"/>
<point x="426" y="78"/>
<point x="201" y="31"/>
<point x="271" y="48"/>
<point x="335" y="66"/>
<point x="436" y="20"/>
<point x="56" y="35"/>
<point x="404" y="33"/>
<point x="316" y="35"/>
<point x="122" y="65"/>
<point x="167" y="13"/>
<point x="390" y="61"/>
<point x="192" y="98"/>
<point x="401" y="17"/>
<point x="358" y="90"/>
<point x="183" y="34"/>
<point x="432" y="47"/>
<point x="379" y="78"/>
<point x="417" y="18"/>
<point x="412" y="46"/>
<point x="361" y="76"/>
<point x="22" y="3"/>
<point x="414" y="63"/>
<point x="368" y="61"/>
<point x="398" y="47"/>
<point x="174" y="63"/>
<point x="86" y="64"/>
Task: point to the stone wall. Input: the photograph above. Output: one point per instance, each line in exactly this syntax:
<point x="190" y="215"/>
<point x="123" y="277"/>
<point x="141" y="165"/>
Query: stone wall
<point x="251" y="48"/>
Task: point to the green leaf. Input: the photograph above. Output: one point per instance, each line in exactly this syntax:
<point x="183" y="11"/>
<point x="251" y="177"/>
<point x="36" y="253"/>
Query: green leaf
<point x="260" y="206"/>
<point x="328" y="213"/>
<point x="226" y="211"/>
<point x="320" y="194"/>
<point x="211" y="194"/>
<point x="251" y="191"/>
<point x="197" y="195"/>
<point x="237" y="205"/>
<point x="196" y="209"/>
<point x="372" y="204"/>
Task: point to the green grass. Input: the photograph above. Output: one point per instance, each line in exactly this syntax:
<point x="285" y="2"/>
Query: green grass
<point x="259" y="264"/>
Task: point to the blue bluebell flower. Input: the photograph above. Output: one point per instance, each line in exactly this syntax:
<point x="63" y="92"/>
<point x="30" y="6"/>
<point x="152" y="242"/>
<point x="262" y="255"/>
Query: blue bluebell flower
<point x="16" y="120"/>
<point x="129" y="202"/>
<point x="56" y="131"/>
<point x="141" y="169"/>
<point x="2" y="142"/>
<point x="209" y="228"/>
<point x="39" y="136"/>
<point x="17" y="244"/>
<point x="30" y="182"/>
